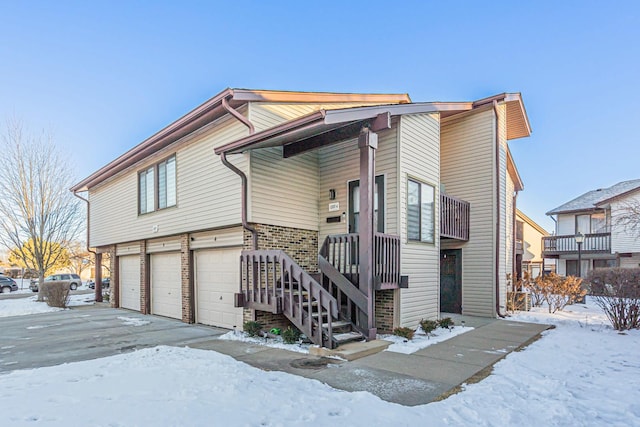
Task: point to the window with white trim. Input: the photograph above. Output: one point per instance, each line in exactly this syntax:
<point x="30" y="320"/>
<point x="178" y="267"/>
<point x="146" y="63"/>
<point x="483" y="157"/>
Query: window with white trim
<point x="420" y="211"/>
<point x="157" y="186"/>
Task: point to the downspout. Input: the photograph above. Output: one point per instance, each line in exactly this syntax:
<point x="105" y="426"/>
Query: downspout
<point x="497" y="159"/>
<point x="242" y="175"/>
<point x="98" y="288"/>
<point x="514" y="267"/>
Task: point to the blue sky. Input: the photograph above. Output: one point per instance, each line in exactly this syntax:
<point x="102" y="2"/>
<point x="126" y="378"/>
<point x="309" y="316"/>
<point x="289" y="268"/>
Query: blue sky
<point x="106" y="75"/>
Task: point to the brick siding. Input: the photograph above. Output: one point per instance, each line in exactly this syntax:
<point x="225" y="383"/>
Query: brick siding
<point x="384" y="311"/>
<point x="186" y="274"/>
<point x="299" y="244"/>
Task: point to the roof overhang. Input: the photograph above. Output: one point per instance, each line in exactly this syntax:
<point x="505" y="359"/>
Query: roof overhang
<point x="212" y="110"/>
<point x="337" y="125"/>
<point x="518" y="125"/>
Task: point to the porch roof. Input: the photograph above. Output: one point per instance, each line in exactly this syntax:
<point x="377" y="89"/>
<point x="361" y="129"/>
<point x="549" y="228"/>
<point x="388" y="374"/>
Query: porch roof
<point x="342" y="123"/>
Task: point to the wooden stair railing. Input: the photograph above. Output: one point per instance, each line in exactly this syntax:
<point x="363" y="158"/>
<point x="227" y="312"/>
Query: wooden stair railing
<point x="272" y="281"/>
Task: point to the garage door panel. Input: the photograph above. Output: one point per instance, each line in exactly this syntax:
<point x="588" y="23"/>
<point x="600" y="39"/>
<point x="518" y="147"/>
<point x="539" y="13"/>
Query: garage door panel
<point x="129" y="275"/>
<point x="217" y="280"/>
<point x="166" y="285"/>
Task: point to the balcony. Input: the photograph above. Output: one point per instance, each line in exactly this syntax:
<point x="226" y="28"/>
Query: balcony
<point x="454" y="218"/>
<point x="597" y="243"/>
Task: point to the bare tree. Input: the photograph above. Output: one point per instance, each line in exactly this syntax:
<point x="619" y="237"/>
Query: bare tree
<point x="627" y="216"/>
<point x="35" y="203"/>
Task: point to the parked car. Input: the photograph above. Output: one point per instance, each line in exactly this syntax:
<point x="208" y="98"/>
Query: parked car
<point x="106" y="282"/>
<point x="7" y="284"/>
<point x="74" y="281"/>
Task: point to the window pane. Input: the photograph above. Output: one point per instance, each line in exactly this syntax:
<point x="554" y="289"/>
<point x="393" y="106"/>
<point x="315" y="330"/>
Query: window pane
<point x="162" y="185"/>
<point x="142" y="192"/>
<point x="413" y="210"/>
<point x="171" y="181"/>
<point x="583" y="224"/>
<point x="426" y="214"/>
<point x="150" y="191"/>
<point x="599" y="223"/>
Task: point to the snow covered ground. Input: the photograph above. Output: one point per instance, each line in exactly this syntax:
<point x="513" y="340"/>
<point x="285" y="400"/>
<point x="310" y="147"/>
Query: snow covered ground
<point x="582" y="373"/>
<point x="23" y="306"/>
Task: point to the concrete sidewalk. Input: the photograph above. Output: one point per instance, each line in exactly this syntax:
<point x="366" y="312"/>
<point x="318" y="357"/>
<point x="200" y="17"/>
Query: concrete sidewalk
<point x="412" y="379"/>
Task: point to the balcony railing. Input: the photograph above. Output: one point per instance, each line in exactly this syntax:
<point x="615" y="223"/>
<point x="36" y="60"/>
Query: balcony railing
<point x="596" y="243"/>
<point x="454" y="218"/>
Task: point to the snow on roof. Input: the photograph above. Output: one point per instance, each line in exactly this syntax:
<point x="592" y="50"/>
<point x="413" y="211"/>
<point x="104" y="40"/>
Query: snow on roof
<point x="590" y="199"/>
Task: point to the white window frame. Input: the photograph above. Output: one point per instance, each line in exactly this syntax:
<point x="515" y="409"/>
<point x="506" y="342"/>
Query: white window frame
<point x="426" y="232"/>
<point x="157" y="187"/>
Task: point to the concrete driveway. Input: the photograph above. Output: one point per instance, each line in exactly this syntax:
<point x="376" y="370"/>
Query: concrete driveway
<point x="91" y="332"/>
<point x="88" y="332"/>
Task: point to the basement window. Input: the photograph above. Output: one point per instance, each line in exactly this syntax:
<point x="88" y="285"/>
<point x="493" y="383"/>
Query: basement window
<point x="157" y="186"/>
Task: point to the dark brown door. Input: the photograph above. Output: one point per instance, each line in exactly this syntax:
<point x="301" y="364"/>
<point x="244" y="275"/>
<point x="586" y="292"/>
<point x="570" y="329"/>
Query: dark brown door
<point x="451" y="281"/>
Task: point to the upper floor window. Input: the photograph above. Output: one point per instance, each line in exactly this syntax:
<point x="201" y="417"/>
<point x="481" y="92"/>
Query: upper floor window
<point x="420" y="211"/>
<point x="597" y="222"/>
<point x="157" y="186"/>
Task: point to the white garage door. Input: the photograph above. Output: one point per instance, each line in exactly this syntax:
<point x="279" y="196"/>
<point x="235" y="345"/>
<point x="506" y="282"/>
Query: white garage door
<point x="217" y="279"/>
<point x="166" y="293"/>
<point x="130" y="282"/>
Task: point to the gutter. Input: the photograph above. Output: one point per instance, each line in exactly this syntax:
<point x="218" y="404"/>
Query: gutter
<point x="242" y="175"/>
<point x="98" y="288"/>
<point x="497" y="257"/>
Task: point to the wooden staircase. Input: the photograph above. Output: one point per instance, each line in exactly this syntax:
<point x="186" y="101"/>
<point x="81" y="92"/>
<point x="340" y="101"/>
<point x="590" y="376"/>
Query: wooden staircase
<point x="271" y="281"/>
<point x="328" y="307"/>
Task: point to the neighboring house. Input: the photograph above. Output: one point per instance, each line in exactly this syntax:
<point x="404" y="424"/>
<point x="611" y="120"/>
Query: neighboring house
<point x="594" y="214"/>
<point x="342" y="214"/>
<point x="528" y="246"/>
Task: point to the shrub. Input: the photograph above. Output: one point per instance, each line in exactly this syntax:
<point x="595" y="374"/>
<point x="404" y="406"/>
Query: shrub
<point x="56" y="293"/>
<point x="617" y="292"/>
<point x="404" y="332"/>
<point x="446" y="322"/>
<point x="252" y="328"/>
<point x="558" y="291"/>
<point x="291" y="335"/>
<point x="428" y="326"/>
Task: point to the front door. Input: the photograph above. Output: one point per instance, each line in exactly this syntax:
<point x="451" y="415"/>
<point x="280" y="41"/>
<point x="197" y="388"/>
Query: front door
<point x="451" y="281"/>
<point x="378" y="205"/>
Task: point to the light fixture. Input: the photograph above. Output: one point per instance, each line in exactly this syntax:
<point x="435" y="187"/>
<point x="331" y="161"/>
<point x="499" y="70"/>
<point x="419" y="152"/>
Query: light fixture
<point x="332" y="194"/>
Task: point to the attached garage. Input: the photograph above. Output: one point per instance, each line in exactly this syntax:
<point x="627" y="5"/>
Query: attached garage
<point x="217" y="268"/>
<point x="166" y="284"/>
<point x="129" y="275"/>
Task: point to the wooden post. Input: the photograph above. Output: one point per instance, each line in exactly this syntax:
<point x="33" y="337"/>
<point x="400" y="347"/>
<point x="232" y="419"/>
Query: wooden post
<point x="367" y="143"/>
<point x="98" y="278"/>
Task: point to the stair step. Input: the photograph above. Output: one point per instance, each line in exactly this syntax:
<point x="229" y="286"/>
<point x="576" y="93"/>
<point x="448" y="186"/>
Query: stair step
<point x="347" y="337"/>
<point x="315" y="314"/>
<point x="337" y="324"/>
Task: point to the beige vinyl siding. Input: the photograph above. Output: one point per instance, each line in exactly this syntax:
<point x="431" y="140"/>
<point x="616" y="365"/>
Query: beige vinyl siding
<point x="622" y="240"/>
<point x="208" y="193"/>
<point x="505" y="258"/>
<point x="532" y="242"/>
<point x="339" y="164"/>
<point x="419" y="159"/>
<point x="284" y="191"/>
<point x="467" y="171"/>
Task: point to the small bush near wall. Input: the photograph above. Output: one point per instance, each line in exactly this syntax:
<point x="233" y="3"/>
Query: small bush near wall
<point x="404" y="332"/>
<point x="428" y="326"/>
<point x="617" y="292"/>
<point x="557" y="291"/>
<point x="252" y="328"/>
<point x="291" y="335"/>
<point x="56" y="293"/>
